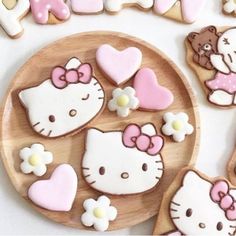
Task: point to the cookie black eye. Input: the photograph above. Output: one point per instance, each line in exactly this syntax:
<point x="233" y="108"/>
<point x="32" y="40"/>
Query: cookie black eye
<point x="189" y="212"/>
<point x="102" y="170"/>
<point x="86" y="97"/>
<point x="210" y="40"/>
<point x="72" y="112"/>
<point x="144" y="167"/>
<point x="52" y="118"/>
<point x="219" y="226"/>
<point x="199" y="44"/>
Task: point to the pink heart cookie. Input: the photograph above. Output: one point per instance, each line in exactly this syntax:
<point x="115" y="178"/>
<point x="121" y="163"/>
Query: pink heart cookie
<point x="151" y="95"/>
<point x="119" y="66"/>
<point x="87" y="6"/>
<point x="58" y="192"/>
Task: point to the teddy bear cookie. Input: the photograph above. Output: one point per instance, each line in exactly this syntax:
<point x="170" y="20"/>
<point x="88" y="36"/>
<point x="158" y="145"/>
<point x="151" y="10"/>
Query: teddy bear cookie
<point x="181" y="10"/>
<point x="197" y="205"/>
<point x="133" y="161"/>
<point x="59" y="105"/>
<point x="11" y="13"/>
<point x="49" y="11"/>
<point x="114" y="6"/>
<point x="211" y="54"/>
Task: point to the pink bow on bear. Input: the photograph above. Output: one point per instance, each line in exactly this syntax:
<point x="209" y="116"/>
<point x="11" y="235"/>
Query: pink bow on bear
<point x="133" y="137"/>
<point x="61" y="77"/>
<point x="221" y="195"/>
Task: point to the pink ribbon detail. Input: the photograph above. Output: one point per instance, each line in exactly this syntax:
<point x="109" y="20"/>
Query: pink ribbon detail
<point x="220" y="194"/>
<point x="61" y="77"/>
<point x="133" y="137"/>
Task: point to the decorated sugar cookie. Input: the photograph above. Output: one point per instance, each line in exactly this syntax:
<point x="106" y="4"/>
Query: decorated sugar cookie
<point x="182" y="10"/>
<point x="123" y="101"/>
<point x="229" y="7"/>
<point x="66" y="102"/>
<point x="118" y="66"/>
<point x="87" y="7"/>
<point x="35" y="159"/>
<point x="58" y="192"/>
<point x="151" y="95"/>
<point x="201" y="206"/>
<point x="177" y="126"/>
<point x="98" y="213"/>
<point x="132" y="160"/>
<point x="214" y="51"/>
<point x="115" y="6"/>
<point x="49" y="11"/>
<point x="11" y="13"/>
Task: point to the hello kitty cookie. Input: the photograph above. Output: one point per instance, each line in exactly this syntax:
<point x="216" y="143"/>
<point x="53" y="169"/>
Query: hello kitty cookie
<point x="11" y="13"/>
<point x="114" y="6"/>
<point x="87" y="7"/>
<point x="211" y="54"/>
<point x="133" y="161"/>
<point x="198" y="205"/>
<point x="49" y="11"/>
<point x="66" y="102"/>
<point x="186" y="11"/>
<point x="118" y="66"/>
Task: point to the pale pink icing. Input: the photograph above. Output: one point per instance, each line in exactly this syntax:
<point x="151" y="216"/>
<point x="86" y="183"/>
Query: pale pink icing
<point x="41" y="9"/>
<point x="119" y="66"/>
<point x="190" y="8"/>
<point x="57" y="193"/>
<point x="87" y="6"/>
<point x="151" y="95"/>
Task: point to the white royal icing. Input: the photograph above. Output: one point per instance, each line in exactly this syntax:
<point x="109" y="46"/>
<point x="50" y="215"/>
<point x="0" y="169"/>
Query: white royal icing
<point x="177" y="126"/>
<point x="46" y="100"/>
<point x="117" y="5"/>
<point x="123" y="100"/>
<point x="206" y="215"/>
<point x="230" y="6"/>
<point x="10" y="19"/>
<point x="35" y="159"/>
<point x="107" y="150"/>
<point x="224" y="60"/>
<point x="98" y="213"/>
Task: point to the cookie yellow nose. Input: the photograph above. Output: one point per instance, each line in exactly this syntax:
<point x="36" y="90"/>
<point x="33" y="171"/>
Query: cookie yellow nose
<point x="99" y="213"/>
<point x="123" y="100"/>
<point x="177" y="125"/>
<point x="34" y="160"/>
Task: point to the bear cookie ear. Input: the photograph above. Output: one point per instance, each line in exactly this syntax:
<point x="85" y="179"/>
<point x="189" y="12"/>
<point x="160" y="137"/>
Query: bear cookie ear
<point x="192" y="36"/>
<point x="212" y="29"/>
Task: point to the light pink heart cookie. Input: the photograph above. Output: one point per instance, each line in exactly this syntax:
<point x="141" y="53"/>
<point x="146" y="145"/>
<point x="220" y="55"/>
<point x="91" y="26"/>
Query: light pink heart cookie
<point x="87" y="6"/>
<point x="163" y="6"/>
<point x="57" y="193"/>
<point x="119" y="66"/>
<point x="151" y="95"/>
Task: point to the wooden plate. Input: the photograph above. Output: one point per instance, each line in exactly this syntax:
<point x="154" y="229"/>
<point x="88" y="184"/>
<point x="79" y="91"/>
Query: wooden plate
<point x="16" y="132"/>
<point x="231" y="168"/>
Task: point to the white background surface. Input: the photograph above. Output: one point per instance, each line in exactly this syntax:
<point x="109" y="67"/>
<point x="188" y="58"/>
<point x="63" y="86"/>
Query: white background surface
<point x="218" y="126"/>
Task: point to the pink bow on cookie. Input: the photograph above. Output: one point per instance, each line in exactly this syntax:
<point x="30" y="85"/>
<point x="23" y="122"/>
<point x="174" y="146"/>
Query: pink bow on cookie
<point x="133" y="137"/>
<point x="61" y="77"/>
<point x="221" y="195"/>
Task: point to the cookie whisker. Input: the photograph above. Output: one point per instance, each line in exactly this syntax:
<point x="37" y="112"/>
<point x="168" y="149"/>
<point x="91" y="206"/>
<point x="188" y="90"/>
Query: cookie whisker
<point x="36" y="124"/>
<point x="85" y="168"/>
<point x="172" y="209"/>
<point x="41" y="131"/>
<point x="175" y="218"/>
<point x="92" y="182"/>
<point x="86" y="176"/>
<point x="175" y="203"/>
<point x="49" y="133"/>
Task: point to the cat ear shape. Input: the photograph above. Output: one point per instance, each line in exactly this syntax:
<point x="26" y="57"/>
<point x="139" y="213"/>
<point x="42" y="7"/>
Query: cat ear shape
<point x="233" y="192"/>
<point x="73" y="63"/>
<point x="191" y="178"/>
<point x="149" y="129"/>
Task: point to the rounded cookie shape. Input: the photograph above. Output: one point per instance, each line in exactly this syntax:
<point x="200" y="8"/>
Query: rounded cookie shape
<point x="87" y="6"/>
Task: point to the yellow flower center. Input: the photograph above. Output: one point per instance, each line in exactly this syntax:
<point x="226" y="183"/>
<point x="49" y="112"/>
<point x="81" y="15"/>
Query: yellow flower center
<point x="122" y="101"/>
<point x="34" y="160"/>
<point x="177" y="125"/>
<point x="99" y="212"/>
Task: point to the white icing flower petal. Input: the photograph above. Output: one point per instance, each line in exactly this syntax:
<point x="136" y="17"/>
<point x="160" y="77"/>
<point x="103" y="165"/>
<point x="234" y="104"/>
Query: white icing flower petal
<point x="101" y="224"/>
<point x="40" y="170"/>
<point x="168" y="117"/>
<point x="37" y="148"/>
<point x="112" y="213"/>
<point x="25" y="153"/>
<point x="123" y="111"/>
<point x="117" y="92"/>
<point x="189" y="129"/>
<point x="179" y="136"/>
<point x="26" y="168"/>
<point x="134" y="103"/>
<point x="89" y="204"/>
<point x="167" y="129"/>
<point x="104" y="201"/>
<point x="112" y="106"/>
<point x="129" y="91"/>
<point x="47" y="157"/>
<point x="230" y="6"/>
<point x="182" y="116"/>
<point x="87" y="219"/>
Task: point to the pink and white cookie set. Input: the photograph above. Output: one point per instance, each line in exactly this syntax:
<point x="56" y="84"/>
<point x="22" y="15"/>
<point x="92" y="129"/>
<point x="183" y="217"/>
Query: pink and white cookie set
<point x="57" y="11"/>
<point x="135" y="163"/>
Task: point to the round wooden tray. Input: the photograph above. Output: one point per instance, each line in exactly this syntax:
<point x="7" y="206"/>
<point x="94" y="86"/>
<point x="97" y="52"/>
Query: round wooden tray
<point x="231" y="168"/>
<point x="16" y="132"/>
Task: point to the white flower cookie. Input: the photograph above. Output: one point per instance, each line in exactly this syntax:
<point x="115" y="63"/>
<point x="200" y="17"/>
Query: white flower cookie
<point x="123" y="101"/>
<point x="177" y="126"/>
<point x="98" y="213"/>
<point x="230" y="6"/>
<point x="35" y="159"/>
